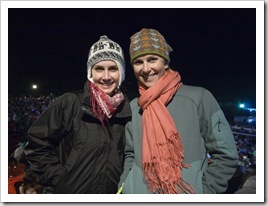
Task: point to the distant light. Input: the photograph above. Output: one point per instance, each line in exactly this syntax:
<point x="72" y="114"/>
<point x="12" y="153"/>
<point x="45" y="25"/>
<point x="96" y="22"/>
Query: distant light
<point x="34" y="86"/>
<point x="252" y="109"/>
<point x="242" y="105"/>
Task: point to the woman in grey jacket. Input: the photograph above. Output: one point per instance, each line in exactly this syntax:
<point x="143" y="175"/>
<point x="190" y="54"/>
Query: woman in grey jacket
<point x="76" y="146"/>
<point x="174" y="128"/>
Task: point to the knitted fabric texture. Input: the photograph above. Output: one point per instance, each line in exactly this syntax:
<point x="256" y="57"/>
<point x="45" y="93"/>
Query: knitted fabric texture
<point x="103" y="105"/>
<point x="106" y="49"/>
<point x="148" y="41"/>
<point x="162" y="149"/>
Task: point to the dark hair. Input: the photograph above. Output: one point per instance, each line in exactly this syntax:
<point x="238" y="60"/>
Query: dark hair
<point x="30" y="182"/>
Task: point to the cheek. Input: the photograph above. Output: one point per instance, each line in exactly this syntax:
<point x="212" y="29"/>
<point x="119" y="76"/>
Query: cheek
<point x="162" y="71"/>
<point x="116" y="76"/>
<point x="95" y="78"/>
<point x="136" y="71"/>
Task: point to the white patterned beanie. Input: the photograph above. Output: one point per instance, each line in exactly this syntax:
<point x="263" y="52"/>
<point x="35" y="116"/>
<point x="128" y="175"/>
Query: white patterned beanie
<point x="106" y="49"/>
<point x="148" y="41"/>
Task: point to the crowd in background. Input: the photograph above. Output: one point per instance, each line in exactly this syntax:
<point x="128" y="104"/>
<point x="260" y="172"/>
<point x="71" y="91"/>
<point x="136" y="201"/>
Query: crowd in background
<point x="245" y="137"/>
<point x="246" y="146"/>
<point x="23" y="110"/>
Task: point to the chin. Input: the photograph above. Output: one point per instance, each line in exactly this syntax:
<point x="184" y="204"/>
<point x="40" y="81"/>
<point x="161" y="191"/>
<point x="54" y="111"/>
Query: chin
<point x="148" y="84"/>
<point x="109" y="91"/>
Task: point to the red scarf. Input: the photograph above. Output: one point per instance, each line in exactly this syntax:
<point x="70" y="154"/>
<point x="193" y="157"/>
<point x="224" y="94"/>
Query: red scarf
<point x="162" y="149"/>
<point x="103" y="105"/>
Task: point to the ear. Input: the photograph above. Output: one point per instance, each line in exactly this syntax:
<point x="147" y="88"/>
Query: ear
<point x="166" y="64"/>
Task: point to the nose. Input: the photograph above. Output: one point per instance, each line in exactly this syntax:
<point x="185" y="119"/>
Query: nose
<point x="146" y="68"/>
<point x="106" y="75"/>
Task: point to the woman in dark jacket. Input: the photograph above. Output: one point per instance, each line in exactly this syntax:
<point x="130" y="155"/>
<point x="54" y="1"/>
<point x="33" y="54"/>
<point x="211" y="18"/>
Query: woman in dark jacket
<point x="76" y="146"/>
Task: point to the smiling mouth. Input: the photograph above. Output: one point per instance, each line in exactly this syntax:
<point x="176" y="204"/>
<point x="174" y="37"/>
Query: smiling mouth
<point x="149" y="77"/>
<point x="106" y="84"/>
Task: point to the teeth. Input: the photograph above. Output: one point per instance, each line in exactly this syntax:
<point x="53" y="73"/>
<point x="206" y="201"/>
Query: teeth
<point x="150" y="76"/>
<point x="107" y="85"/>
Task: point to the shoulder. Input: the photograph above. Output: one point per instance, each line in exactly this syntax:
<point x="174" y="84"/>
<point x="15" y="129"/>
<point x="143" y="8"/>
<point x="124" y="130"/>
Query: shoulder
<point x="193" y="93"/>
<point x="72" y="95"/>
<point x="134" y="104"/>
<point x="124" y="109"/>
<point x="69" y="98"/>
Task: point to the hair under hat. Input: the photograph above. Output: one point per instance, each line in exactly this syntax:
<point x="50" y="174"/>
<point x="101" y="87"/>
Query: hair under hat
<point x="106" y="49"/>
<point x="148" y="41"/>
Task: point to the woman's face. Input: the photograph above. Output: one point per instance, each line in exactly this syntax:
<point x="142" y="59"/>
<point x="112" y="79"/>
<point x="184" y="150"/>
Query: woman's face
<point x="105" y="75"/>
<point x="148" y="69"/>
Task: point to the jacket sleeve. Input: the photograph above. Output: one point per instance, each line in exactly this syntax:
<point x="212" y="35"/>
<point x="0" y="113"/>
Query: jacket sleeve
<point x="129" y="154"/>
<point x="44" y="136"/>
<point x="220" y="144"/>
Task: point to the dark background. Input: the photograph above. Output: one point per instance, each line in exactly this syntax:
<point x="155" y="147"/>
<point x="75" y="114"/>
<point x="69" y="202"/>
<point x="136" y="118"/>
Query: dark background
<point x="214" y="48"/>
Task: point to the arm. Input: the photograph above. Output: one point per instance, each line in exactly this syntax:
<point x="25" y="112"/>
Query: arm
<point x="44" y="137"/>
<point x="129" y="154"/>
<point x="220" y="145"/>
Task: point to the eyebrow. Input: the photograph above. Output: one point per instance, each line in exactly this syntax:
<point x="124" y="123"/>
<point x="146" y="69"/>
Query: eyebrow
<point x="102" y="67"/>
<point x="148" y="57"/>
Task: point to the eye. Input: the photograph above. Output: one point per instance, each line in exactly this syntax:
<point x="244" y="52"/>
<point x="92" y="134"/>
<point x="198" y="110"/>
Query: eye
<point x="137" y="62"/>
<point x="152" y="59"/>
<point x="113" y="69"/>
<point x="98" y="69"/>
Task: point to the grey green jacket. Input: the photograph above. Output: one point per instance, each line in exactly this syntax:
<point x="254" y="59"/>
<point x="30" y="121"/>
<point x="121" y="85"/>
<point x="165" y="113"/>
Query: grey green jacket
<point x="203" y="129"/>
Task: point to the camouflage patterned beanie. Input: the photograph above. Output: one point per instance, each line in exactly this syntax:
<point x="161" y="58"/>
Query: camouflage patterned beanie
<point x="148" y="41"/>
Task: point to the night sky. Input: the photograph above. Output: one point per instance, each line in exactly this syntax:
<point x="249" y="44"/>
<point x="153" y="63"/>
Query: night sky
<point x="214" y="48"/>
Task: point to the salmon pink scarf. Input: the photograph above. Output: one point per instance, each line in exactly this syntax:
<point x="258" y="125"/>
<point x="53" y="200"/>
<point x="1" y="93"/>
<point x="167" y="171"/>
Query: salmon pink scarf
<point x="162" y="150"/>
